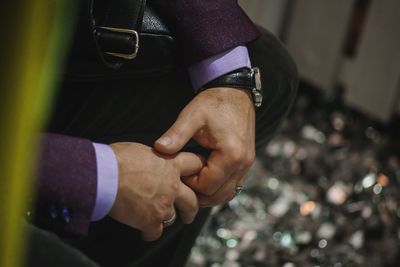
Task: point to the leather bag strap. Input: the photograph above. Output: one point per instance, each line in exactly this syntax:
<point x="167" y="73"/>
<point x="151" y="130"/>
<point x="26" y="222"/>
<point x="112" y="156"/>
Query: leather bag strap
<point x="116" y="27"/>
<point x="91" y="56"/>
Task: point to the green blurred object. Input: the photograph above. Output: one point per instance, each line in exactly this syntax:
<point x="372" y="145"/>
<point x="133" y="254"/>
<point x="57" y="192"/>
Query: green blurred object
<point x="35" y="36"/>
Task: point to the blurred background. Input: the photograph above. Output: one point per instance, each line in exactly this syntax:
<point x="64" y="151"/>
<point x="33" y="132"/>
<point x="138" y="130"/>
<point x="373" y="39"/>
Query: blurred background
<point x="325" y="191"/>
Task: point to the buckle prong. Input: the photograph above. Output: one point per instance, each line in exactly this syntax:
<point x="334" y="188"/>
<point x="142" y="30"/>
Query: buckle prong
<point x="125" y="31"/>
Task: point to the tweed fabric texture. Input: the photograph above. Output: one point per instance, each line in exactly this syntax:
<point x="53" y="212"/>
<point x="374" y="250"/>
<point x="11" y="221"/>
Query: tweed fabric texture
<point x="67" y="179"/>
<point x="208" y="27"/>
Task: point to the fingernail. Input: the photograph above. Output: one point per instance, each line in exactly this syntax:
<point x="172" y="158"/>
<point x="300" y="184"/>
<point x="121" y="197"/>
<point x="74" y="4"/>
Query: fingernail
<point x="165" y="141"/>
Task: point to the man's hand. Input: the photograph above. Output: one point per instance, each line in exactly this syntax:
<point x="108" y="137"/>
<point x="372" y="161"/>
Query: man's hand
<point x="223" y="120"/>
<point x="149" y="187"/>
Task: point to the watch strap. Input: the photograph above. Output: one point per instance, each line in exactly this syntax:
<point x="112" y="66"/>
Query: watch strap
<point x="242" y="78"/>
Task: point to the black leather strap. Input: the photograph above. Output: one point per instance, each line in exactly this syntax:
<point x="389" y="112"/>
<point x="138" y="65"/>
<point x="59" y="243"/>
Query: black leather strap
<point x="121" y="15"/>
<point x="237" y="79"/>
<point x="87" y="59"/>
<point x="242" y="79"/>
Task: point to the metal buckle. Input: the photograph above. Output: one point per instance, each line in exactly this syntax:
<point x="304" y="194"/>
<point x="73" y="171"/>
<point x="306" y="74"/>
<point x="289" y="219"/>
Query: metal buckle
<point x="125" y="31"/>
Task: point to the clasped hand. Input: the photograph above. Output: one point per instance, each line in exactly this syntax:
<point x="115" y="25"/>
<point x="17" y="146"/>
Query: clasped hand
<point x="222" y="120"/>
<point x="150" y="184"/>
<point x="150" y="188"/>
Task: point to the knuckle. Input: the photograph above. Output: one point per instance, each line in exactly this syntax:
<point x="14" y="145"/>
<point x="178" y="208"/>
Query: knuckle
<point x="236" y="152"/>
<point x="232" y="144"/>
<point x="237" y="157"/>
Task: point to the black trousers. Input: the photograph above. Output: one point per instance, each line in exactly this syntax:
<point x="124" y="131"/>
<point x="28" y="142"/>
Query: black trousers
<point x="141" y="110"/>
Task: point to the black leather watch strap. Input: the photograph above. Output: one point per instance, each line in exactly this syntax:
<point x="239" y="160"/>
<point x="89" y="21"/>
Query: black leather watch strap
<point x="241" y="78"/>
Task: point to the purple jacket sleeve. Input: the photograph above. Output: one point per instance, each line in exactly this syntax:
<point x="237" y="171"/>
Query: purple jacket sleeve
<point x="66" y="183"/>
<point x="208" y="27"/>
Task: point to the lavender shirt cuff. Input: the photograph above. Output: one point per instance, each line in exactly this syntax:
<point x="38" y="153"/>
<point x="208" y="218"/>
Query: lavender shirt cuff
<point x="215" y="66"/>
<point x="107" y="180"/>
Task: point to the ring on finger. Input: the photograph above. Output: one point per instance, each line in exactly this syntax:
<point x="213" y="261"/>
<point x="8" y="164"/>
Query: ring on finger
<point x="169" y="221"/>
<point x="238" y="189"/>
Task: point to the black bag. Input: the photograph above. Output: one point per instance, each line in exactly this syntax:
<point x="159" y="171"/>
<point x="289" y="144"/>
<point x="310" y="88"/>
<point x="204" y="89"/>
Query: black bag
<point x="117" y="39"/>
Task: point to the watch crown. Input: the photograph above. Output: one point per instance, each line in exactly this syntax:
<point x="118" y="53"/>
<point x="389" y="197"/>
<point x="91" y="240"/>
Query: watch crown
<point x="257" y="91"/>
<point x="257" y="77"/>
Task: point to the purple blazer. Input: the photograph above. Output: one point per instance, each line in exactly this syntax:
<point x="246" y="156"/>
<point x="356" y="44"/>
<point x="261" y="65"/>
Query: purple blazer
<point x="67" y="175"/>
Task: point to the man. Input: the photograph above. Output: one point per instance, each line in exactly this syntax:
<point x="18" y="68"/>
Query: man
<point x="137" y="178"/>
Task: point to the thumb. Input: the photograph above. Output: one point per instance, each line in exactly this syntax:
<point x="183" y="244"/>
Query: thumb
<point x="178" y="134"/>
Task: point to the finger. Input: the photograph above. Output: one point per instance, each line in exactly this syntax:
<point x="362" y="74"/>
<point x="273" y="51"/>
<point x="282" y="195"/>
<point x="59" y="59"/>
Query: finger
<point x="189" y="163"/>
<point x="186" y="203"/>
<point x="223" y="195"/>
<point x="153" y="234"/>
<point x="178" y="134"/>
<point x="212" y="176"/>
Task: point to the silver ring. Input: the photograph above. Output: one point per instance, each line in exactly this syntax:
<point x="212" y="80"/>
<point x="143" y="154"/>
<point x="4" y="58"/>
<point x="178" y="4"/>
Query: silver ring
<point x="170" y="221"/>
<point x="238" y="189"/>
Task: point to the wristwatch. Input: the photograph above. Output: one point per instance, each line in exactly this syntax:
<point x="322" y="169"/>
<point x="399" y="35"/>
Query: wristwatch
<point x="242" y="78"/>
